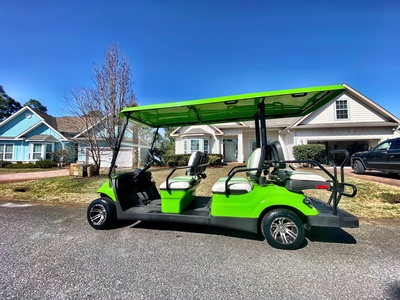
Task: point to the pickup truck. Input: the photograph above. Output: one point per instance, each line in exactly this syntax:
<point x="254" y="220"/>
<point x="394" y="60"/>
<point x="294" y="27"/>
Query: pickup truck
<point x="384" y="157"/>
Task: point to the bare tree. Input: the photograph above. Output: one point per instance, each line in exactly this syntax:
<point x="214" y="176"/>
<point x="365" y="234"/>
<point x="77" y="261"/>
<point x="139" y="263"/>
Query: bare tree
<point x="96" y="108"/>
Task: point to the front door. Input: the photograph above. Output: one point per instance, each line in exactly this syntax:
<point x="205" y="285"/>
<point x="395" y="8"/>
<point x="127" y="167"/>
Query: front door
<point x="230" y="150"/>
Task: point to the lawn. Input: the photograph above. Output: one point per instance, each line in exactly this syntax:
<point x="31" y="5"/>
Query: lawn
<point x="373" y="200"/>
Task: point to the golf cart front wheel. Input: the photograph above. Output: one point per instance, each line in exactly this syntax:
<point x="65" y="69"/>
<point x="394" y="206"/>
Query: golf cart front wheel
<point x="101" y="213"/>
<point x="283" y="229"/>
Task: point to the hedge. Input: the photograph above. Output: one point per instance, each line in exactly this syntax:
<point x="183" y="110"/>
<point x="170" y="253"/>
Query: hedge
<point x="309" y="152"/>
<point x="183" y="159"/>
<point x="40" y="164"/>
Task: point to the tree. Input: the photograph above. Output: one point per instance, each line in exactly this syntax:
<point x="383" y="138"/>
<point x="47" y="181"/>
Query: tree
<point x="97" y="107"/>
<point x="8" y="105"/>
<point x="167" y="142"/>
<point x="35" y="104"/>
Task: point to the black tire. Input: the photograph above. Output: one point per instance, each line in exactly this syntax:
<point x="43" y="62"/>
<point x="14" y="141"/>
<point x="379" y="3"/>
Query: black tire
<point x="101" y="213"/>
<point x="283" y="229"/>
<point x="358" y="167"/>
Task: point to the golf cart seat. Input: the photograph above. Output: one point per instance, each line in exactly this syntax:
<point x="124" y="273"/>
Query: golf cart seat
<point x="294" y="180"/>
<point x="195" y="172"/>
<point x="297" y="181"/>
<point x="241" y="185"/>
<point x="177" y="193"/>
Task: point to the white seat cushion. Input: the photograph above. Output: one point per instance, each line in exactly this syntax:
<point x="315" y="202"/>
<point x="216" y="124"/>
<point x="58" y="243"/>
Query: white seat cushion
<point x="307" y="176"/>
<point x="237" y="185"/>
<point x="177" y="183"/>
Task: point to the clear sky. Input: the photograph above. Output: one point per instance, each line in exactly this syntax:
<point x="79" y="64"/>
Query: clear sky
<point x="191" y="49"/>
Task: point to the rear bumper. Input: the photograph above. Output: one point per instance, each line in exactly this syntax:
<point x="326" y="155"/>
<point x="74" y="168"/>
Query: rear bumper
<point x="326" y="218"/>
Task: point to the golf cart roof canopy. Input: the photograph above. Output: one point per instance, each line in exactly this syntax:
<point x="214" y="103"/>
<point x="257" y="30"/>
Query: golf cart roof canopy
<point x="277" y="104"/>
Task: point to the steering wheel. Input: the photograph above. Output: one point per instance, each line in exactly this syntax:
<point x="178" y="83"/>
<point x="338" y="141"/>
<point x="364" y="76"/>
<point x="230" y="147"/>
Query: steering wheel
<point x="156" y="157"/>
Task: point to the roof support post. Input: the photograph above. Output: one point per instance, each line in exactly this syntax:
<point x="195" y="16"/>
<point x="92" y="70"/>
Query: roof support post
<point x="117" y="147"/>
<point x="257" y="129"/>
<point x="261" y="113"/>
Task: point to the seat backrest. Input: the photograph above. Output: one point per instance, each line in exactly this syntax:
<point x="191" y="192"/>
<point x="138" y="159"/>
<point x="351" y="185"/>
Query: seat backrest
<point x="194" y="160"/>
<point x="256" y="160"/>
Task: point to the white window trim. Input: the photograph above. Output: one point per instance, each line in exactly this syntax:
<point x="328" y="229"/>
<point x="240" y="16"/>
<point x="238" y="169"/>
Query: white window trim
<point x="187" y="145"/>
<point x="3" y="154"/>
<point x="42" y="150"/>
<point x="336" y="110"/>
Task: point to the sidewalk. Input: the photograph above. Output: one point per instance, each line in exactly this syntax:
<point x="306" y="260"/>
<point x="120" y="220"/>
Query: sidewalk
<point x="18" y="177"/>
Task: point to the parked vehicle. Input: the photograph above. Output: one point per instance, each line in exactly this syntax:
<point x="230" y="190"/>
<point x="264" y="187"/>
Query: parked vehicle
<point x="385" y="157"/>
<point x="262" y="197"/>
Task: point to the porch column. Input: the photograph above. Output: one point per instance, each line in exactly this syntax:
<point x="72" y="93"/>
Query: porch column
<point x="240" y="155"/>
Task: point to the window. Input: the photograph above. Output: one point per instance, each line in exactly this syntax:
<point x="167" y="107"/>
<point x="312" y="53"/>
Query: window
<point x="36" y="151"/>
<point x="342" y="111"/>
<point x="6" y="151"/>
<point x="49" y="150"/>
<point x="192" y="145"/>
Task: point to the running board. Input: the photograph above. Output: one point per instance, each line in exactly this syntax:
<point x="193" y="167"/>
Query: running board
<point x="326" y="218"/>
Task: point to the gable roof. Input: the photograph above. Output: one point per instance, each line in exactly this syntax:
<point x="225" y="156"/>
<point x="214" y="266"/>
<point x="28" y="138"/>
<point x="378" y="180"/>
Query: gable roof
<point x="45" y="119"/>
<point x="196" y="131"/>
<point x="368" y="102"/>
<point x="392" y="120"/>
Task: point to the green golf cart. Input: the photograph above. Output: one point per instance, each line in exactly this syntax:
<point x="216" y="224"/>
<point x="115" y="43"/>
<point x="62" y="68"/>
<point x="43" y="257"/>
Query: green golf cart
<point x="265" y="196"/>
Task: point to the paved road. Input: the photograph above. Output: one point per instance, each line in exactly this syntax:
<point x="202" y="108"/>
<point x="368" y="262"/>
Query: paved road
<point x="50" y="252"/>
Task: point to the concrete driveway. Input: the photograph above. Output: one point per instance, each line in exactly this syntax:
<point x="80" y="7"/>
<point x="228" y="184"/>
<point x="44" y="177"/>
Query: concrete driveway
<point x="375" y="176"/>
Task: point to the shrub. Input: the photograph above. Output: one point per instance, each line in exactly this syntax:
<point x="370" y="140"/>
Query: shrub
<point x="183" y="159"/>
<point x="215" y="159"/>
<point x="41" y="163"/>
<point x="20" y="166"/>
<point x="45" y="164"/>
<point x="309" y="152"/>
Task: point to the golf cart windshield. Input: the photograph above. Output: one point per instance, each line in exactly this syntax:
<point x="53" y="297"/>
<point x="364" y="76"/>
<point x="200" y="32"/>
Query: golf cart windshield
<point x="275" y="104"/>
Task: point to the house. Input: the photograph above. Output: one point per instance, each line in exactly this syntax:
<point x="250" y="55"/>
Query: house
<point x="29" y="135"/>
<point x="351" y="121"/>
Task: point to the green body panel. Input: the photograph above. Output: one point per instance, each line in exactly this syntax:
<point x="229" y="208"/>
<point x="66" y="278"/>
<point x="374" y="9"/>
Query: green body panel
<point x="107" y="190"/>
<point x="175" y="201"/>
<point x="251" y="205"/>
<point x="278" y="104"/>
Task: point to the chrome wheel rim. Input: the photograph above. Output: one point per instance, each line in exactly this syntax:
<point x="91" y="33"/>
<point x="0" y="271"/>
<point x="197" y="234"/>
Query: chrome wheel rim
<point x="284" y="231"/>
<point x="97" y="214"/>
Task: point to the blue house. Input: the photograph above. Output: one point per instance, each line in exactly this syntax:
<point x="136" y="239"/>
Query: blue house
<point x="30" y="135"/>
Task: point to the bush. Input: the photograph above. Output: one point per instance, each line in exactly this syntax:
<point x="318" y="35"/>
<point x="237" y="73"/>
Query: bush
<point x="183" y="159"/>
<point x="215" y="159"/>
<point x="40" y="164"/>
<point x="20" y="166"/>
<point x="45" y="164"/>
<point x="309" y="152"/>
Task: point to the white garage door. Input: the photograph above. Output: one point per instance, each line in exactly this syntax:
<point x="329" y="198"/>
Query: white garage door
<point x="124" y="159"/>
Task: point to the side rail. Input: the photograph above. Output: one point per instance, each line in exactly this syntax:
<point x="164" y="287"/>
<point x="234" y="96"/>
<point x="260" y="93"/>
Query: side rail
<point x="338" y="184"/>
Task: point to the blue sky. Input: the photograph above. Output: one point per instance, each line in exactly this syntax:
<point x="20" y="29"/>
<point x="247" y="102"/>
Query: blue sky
<point x="182" y="49"/>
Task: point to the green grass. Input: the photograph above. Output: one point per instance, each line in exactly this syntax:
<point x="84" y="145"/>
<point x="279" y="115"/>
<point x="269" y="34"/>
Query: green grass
<point x="373" y="200"/>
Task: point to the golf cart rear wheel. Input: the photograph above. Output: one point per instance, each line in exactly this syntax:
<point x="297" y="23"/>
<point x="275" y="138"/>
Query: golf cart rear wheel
<point x="282" y="229"/>
<point x="101" y="213"/>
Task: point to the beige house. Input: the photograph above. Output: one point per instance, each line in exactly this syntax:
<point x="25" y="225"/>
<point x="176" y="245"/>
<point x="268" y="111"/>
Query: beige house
<point x="351" y="121"/>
